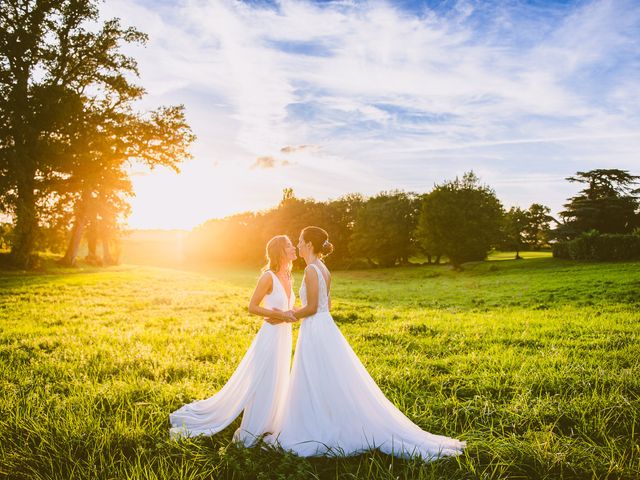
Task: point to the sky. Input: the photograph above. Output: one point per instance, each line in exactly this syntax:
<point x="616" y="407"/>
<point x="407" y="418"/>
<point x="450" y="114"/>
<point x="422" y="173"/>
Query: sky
<point x="337" y="97"/>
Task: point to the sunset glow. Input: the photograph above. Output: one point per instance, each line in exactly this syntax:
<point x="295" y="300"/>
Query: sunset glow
<point x="332" y="98"/>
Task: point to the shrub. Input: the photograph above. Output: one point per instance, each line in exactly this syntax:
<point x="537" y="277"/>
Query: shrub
<point x="600" y="247"/>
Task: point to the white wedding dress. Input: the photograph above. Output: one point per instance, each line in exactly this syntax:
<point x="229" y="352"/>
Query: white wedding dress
<point x="334" y="407"/>
<point x="258" y="386"/>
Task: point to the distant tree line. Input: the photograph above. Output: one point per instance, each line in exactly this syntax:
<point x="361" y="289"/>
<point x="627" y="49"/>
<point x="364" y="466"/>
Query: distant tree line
<point x="461" y="220"/>
<point x="69" y="130"/>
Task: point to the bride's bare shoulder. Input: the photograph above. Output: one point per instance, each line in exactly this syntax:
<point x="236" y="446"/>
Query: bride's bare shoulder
<point x="265" y="276"/>
<point x="265" y="279"/>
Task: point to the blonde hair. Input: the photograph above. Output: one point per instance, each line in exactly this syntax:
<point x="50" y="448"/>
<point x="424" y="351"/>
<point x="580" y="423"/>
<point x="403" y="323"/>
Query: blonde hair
<point x="276" y="253"/>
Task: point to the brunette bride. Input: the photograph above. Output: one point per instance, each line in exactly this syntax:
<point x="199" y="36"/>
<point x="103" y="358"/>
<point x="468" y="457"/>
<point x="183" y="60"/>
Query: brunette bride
<point x="333" y="406"/>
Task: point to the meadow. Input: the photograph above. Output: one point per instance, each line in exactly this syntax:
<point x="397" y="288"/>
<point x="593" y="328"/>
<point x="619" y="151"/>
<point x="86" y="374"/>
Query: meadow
<point x="535" y="363"/>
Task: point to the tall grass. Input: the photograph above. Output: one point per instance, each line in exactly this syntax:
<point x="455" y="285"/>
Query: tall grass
<point x="535" y="363"/>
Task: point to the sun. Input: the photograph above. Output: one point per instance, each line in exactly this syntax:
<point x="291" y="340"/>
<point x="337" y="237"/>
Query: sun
<point x="201" y="191"/>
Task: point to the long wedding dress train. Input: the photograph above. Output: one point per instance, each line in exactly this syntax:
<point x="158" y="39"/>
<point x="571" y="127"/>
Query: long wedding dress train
<point x="258" y="386"/>
<point x="334" y="407"/>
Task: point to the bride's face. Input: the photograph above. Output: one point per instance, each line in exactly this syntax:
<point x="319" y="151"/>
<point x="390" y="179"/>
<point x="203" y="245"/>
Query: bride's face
<point x="290" y="251"/>
<point x="302" y="246"/>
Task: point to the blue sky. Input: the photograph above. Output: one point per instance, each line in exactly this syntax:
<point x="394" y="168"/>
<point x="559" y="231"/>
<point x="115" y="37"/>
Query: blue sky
<point x="362" y="96"/>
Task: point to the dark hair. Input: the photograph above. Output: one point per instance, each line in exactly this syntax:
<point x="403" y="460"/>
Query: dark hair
<point x="319" y="239"/>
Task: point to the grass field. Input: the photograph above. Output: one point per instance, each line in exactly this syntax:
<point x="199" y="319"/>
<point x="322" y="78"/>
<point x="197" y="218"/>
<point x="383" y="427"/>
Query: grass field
<point x="535" y="363"/>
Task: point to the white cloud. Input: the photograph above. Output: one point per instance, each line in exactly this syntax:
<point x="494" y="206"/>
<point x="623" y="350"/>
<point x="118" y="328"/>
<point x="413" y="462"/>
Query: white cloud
<point x="396" y="98"/>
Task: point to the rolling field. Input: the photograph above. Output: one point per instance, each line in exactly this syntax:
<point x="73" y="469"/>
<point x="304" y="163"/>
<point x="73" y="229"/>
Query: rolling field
<point x="535" y="363"/>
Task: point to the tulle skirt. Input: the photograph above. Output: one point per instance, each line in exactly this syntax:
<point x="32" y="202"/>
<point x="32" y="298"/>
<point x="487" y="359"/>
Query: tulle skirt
<point x="258" y="387"/>
<point x="334" y="407"/>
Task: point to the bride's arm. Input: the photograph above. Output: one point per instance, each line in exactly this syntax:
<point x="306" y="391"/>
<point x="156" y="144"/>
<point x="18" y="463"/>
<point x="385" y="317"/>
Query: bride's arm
<point x="265" y="283"/>
<point x="311" y="282"/>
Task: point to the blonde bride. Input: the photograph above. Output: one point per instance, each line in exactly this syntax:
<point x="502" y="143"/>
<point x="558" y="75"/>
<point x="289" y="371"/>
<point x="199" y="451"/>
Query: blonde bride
<point x="259" y="385"/>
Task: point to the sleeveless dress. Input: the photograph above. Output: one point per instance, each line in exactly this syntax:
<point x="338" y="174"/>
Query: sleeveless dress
<point x="334" y="407"/>
<point x="258" y="386"/>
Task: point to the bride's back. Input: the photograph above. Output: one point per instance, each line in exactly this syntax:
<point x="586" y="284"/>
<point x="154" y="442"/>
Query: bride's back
<point x="323" y="291"/>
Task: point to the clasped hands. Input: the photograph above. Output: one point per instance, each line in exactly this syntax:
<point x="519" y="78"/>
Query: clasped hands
<point x="287" y="317"/>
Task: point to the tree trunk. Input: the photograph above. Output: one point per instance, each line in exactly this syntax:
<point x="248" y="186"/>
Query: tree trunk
<point x="107" y="258"/>
<point x="111" y="248"/>
<point x="71" y="254"/>
<point x="82" y="210"/>
<point x="437" y="262"/>
<point x="108" y="235"/>
<point x="22" y="162"/>
<point x="92" y="244"/>
<point x="26" y="226"/>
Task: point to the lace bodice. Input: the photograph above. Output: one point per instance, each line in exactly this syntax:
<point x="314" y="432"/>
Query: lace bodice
<point x="323" y="296"/>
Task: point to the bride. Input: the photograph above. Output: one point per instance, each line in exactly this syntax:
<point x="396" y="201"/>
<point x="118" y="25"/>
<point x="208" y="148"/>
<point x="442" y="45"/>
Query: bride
<point x="259" y="384"/>
<point x="333" y="406"/>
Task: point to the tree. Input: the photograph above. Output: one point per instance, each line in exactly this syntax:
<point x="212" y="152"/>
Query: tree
<point x="537" y="229"/>
<point x="461" y="219"/>
<point x="525" y="229"/>
<point x="428" y="241"/>
<point x="339" y="218"/>
<point x="97" y="185"/>
<point x="515" y="224"/>
<point x="241" y="239"/>
<point x="608" y="204"/>
<point x="67" y="129"/>
<point x="235" y="240"/>
<point x="48" y="58"/>
<point x="384" y="228"/>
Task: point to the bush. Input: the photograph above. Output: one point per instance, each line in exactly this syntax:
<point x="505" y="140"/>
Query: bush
<point x="600" y="247"/>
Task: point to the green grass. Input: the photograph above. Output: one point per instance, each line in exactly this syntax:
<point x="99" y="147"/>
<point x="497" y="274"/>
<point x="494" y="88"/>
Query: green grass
<point x="524" y="255"/>
<point x="534" y="362"/>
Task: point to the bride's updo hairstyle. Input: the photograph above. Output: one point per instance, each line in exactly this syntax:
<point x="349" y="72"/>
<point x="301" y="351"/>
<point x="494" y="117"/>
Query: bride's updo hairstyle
<point x="276" y="253"/>
<point x="319" y="239"/>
